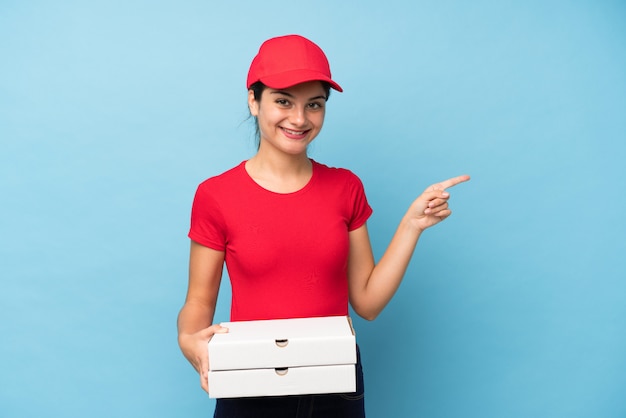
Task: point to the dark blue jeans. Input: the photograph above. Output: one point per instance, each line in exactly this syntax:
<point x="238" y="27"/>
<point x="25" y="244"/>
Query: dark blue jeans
<point x="339" y="405"/>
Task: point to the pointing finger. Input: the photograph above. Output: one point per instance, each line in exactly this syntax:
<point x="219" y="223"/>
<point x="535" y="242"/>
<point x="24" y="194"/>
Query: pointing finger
<point x="450" y="182"/>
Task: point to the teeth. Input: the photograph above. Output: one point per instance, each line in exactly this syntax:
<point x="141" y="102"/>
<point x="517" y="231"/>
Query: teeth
<point x="289" y="131"/>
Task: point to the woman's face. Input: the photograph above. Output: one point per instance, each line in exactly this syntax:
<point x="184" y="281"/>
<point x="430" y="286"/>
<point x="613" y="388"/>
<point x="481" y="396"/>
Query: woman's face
<point x="291" y="118"/>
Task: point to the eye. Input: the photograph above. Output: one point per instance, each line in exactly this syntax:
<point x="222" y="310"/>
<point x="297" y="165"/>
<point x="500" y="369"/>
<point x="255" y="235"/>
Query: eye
<point x="282" y="102"/>
<point x="315" y="105"/>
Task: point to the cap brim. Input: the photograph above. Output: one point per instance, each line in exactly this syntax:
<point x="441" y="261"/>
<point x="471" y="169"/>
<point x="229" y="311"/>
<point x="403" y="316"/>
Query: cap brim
<point x="291" y="78"/>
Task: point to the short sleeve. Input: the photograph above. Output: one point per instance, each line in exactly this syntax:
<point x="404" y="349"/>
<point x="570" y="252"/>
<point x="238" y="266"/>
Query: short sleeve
<point x="361" y="210"/>
<point x="207" y="222"/>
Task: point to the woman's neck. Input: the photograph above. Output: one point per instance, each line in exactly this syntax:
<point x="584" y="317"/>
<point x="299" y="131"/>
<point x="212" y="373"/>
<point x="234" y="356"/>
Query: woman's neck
<point x="284" y="174"/>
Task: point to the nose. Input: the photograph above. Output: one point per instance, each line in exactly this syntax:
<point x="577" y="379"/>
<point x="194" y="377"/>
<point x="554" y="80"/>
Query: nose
<point x="297" y="116"/>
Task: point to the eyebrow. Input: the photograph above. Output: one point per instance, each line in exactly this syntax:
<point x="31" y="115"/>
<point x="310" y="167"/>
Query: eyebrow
<point x="284" y="93"/>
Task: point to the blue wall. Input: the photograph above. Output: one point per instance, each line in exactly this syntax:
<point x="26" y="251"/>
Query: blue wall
<point x="111" y="112"/>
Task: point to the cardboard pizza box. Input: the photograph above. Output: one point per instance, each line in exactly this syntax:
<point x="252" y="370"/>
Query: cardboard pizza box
<point x="283" y="357"/>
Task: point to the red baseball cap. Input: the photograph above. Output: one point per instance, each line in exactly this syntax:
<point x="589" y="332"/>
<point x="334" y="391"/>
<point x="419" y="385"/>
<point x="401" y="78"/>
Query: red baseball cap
<point x="288" y="60"/>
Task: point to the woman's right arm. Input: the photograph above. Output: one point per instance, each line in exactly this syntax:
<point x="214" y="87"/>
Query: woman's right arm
<point x="196" y="316"/>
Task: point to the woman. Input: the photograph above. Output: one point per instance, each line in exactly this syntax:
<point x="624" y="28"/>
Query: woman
<point x="291" y="231"/>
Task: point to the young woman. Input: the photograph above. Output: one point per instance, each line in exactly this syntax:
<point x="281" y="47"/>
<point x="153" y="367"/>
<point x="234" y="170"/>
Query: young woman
<point x="291" y="231"/>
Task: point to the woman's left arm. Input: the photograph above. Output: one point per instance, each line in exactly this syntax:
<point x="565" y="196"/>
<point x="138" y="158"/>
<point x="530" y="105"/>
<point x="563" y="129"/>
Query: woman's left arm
<point x="372" y="285"/>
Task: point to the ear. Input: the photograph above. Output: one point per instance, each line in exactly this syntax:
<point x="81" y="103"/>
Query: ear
<point x="253" y="105"/>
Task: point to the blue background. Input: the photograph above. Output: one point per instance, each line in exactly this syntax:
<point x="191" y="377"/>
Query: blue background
<point x="111" y="113"/>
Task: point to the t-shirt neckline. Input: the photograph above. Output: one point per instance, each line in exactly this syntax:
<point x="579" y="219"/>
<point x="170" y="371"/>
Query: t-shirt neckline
<point x="308" y="185"/>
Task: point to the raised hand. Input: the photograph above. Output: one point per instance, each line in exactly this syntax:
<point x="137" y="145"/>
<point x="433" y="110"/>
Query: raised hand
<point x="431" y="207"/>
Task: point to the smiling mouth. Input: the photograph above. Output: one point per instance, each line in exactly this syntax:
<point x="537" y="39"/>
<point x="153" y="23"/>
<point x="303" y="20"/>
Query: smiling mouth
<point x="293" y="134"/>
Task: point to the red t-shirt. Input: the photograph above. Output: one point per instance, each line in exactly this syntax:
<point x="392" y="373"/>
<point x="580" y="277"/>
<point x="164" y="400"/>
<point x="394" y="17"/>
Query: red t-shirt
<point x="286" y="254"/>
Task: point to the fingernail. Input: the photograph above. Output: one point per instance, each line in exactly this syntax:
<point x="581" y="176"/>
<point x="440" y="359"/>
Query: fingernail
<point x="445" y="194"/>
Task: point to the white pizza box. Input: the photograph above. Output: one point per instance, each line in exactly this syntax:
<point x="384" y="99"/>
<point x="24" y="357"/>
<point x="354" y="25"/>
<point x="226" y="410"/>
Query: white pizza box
<point x="283" y="357"/>
<point x="283" y="343"/>
<point x="282" y="381"/>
